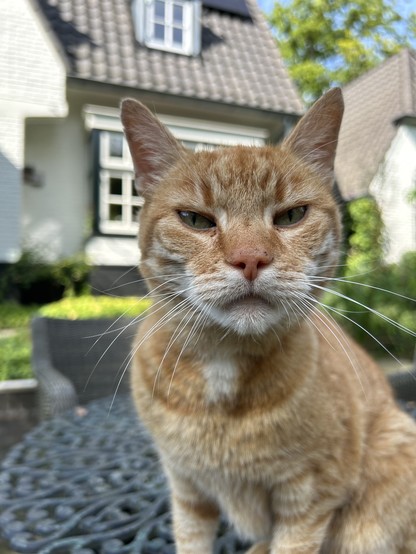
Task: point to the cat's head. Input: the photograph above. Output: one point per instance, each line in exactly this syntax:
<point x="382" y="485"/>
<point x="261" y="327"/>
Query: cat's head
<point x="239" y="234"/>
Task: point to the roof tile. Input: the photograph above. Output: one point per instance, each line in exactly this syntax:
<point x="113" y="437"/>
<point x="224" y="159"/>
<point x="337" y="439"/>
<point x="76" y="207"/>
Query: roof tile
<point x="239" y="63"/>
<point x="373" y="103"/>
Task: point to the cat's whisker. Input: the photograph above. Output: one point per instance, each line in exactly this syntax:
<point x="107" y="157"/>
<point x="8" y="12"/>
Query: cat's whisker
<point x="365" y="285"/>
<point x="159" y="324"/>
<point x="342" y="314"/>
<point x="341" y="339"/>
<point x="135" y="282"/>
<point x="175" y="335"/>
<point x="121" y="330"/>
<point x="201" y="318"/>
<point x="198" y="326"/>
<point x="373" y="311"/>
<point x="306" y="306"/>
<point x="111" y="329"/>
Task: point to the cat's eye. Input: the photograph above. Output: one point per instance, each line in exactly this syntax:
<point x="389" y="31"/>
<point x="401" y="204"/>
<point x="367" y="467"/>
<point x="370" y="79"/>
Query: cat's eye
<point x="196" y="221"/>
<point x="291" y="217"/>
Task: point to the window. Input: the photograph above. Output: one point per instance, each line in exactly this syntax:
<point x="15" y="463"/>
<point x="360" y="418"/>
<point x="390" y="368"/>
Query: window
<point x="118" y="201"/>
<point x="171" y="25"/>
<point x="117" y="204"/>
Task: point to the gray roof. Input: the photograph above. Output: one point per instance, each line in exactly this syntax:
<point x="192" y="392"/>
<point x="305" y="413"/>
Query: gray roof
<point x="373" y="104"/>
<point x="239" y="64"/>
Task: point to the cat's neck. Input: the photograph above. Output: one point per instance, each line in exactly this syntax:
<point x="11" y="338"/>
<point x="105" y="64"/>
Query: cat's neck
<point x="221" y="366"/>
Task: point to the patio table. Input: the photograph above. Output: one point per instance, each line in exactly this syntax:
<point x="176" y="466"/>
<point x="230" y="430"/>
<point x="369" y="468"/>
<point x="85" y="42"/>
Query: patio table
<point x="89" y="482"/>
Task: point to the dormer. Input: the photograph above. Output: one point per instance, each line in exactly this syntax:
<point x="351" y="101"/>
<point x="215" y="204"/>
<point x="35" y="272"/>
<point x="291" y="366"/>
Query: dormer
<point x="170" y="25"/>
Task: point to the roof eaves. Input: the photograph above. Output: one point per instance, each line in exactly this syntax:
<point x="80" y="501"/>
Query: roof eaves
<point x="405" y="73"/>
<point x="406" y="119"/>
<point x="126" y="90"/>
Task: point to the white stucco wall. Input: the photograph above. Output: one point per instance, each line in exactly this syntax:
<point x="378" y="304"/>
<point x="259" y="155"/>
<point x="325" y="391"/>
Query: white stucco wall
<point x="56" y="214"/>
<point x="32" y="84"/>
<point x="391" y="186"/>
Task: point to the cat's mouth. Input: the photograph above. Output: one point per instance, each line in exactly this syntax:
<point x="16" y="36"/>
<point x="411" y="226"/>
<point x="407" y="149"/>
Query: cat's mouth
<point x="247" y="313"/>
<point x="249" y="300"/>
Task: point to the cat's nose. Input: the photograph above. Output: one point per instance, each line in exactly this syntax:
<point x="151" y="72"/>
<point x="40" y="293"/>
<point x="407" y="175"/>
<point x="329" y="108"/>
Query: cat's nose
<point x="250" y="261"/>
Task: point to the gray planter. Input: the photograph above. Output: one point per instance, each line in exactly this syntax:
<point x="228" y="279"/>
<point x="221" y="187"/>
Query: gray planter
<point x="76" y="361"/>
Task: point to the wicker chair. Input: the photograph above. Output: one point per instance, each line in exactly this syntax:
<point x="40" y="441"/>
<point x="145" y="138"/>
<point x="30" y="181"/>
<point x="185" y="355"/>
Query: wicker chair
<point x="78" y="361"/>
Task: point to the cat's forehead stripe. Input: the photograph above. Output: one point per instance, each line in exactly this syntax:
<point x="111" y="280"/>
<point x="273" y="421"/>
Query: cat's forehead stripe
<point x="249" y="179"/>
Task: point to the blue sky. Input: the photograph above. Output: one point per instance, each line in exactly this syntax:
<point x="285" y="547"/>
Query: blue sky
<point x="266" y="5"/>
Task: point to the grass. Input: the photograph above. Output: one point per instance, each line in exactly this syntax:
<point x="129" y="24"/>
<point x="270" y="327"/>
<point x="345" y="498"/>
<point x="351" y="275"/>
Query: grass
<point x="13" y="315"/>
<point x="15" y="345"/>
<point x="15" y="355"/>
<point x="15" y="340"/>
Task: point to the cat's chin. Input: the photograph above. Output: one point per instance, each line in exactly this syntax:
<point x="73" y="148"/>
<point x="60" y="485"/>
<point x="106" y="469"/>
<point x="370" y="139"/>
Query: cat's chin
<point x="248" y="316"/>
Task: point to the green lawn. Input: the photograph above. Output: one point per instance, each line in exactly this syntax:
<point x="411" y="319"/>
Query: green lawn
<point x="15" y="340"/>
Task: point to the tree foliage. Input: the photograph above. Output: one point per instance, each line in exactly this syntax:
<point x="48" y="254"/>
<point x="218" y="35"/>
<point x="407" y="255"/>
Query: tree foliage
<point x="331" y="42"/>
<point x="368" y="295"/>
<point x="364" y="229"/>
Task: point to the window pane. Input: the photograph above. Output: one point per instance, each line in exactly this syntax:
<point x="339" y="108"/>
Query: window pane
<point x="177" y="14"/>
<point x="159" y="31"/>
<point x="133" y="188"/>
<point x="160" y="9"/>
<point x="116" y="145"/>
<point x="177" y="37"/>
<point x="116" y="186"/>
<point x="116" y="212"/>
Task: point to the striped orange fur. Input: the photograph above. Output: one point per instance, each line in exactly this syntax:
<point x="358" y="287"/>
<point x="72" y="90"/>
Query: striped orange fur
<point x="261" y="407"/>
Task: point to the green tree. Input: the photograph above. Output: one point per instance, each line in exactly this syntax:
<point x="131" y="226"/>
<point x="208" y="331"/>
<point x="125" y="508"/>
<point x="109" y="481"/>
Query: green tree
<point x="331" y="42"/>
<point x="364" y="229"/>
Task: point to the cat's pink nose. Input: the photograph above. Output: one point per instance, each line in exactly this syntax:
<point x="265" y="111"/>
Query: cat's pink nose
<point x="249" y="260"/>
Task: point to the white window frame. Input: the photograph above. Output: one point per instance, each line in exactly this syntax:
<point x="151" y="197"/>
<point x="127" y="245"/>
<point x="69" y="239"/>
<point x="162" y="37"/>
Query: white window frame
<point x="144" y="17"/>
<point x="199" y="133"/>
<point x="118" y="168"/>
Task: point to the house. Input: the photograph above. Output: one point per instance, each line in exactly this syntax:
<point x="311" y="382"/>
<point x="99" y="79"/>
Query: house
<point x="377" y="148"/>
<point x="209" y="68"/>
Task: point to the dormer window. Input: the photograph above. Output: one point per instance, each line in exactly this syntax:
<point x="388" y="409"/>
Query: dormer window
<point x="171" y="25"/>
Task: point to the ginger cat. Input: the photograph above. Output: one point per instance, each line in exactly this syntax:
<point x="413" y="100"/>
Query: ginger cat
<point x="259" y="404"/>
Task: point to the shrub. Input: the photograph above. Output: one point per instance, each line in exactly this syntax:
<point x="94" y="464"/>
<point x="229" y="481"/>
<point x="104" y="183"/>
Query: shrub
<point x="85" y="307"/>
<point x="364" y="230"/>
<point x="33" y="280"/>
<point x="376" y="307"/>
<point x="390" y="291"/>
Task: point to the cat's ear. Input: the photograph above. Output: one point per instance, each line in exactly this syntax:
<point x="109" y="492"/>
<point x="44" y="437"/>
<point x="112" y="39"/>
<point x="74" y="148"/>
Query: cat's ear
<point x="153" y="147"/>
<point x="315" y="137"/>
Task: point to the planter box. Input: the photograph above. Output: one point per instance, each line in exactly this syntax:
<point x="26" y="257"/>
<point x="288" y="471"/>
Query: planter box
<point x="76" y="361"/>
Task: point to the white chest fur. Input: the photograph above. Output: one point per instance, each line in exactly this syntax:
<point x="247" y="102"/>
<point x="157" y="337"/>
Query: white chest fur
<point x="221" y="374"/>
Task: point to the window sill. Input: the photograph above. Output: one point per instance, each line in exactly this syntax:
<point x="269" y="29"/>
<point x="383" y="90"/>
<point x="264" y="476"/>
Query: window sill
<point x="113" y="251"/>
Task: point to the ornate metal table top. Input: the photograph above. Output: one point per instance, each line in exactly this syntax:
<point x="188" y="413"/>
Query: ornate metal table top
<point x="89" y="482"/>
